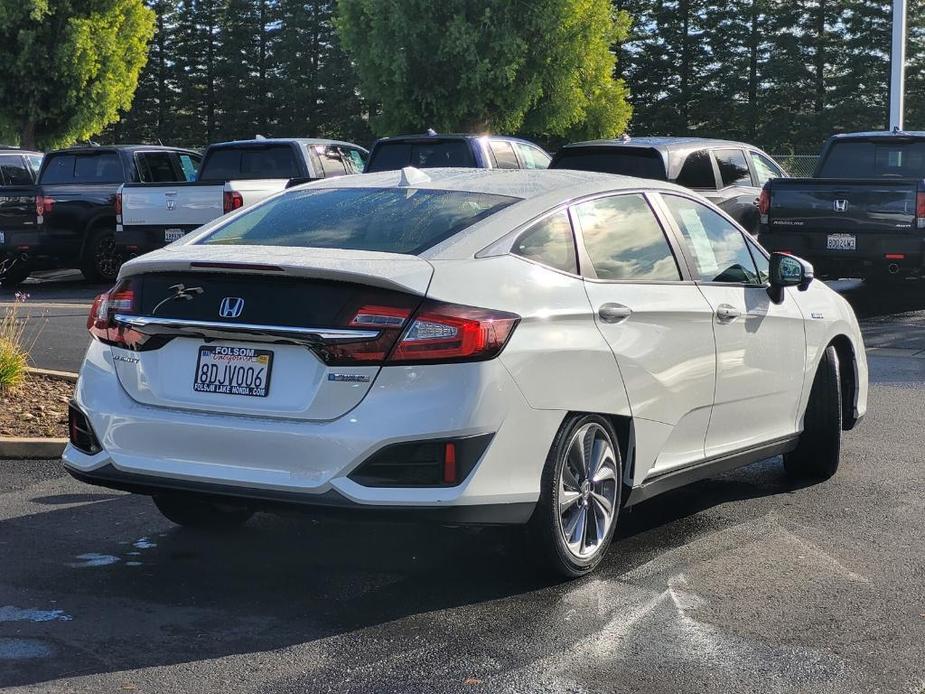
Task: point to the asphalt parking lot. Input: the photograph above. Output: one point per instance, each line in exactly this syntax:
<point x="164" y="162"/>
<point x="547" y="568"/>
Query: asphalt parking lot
<point x="743" y="583"/>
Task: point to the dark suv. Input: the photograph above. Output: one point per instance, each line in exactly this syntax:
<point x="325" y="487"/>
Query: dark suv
<point x="728" y="174"/>
<point x="468" y="151"/>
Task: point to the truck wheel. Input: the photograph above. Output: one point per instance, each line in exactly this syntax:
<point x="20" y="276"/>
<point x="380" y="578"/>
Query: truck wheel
<point x="101" y="260"/>
<point x="581" y="486"/>
<point x="819" y="451"/>
<point x="15" y="275"/>
<point x="195" y="512"/>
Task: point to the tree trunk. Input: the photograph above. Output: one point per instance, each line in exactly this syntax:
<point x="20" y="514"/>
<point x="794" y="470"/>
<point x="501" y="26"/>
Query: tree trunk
<point x="819" y="104"/>
<point x="685" y="64"/>
<point x="27" y="135"/>
<point x="753" y="39"/>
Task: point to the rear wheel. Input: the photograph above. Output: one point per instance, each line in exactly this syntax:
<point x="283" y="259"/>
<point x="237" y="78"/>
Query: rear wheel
<point x="579" y="501"/>
<point x="819" y="451"/>
<point x="14" y="273"/>
<point x="101" y="260"/>
<point x="196" y="512"/>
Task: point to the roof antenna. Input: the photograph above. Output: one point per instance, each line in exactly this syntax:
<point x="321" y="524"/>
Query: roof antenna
<point x="431" y="132"/>
<point x="411" y="176"/>
<point x="259" y="137"/>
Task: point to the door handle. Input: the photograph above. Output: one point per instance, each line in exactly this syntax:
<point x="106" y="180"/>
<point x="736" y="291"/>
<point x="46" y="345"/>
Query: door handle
<point x="726" y="313"/>
<point x="614" y="313"/>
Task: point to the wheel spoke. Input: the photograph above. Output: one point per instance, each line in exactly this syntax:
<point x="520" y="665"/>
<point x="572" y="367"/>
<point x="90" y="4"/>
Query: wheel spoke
<point x="567" y="499"/>
<point x="578" y="445"/>
<point x="576" y="534"/>
<point x="569" y="480"/>
<point x="603" y="503"/>
<point x="603" y="474"/>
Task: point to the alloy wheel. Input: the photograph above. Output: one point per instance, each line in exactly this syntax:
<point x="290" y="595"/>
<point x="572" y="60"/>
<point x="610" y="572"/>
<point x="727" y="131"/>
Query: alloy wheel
<point x="107" y="259"/>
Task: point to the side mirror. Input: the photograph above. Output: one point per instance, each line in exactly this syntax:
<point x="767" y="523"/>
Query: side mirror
<point x="788" y="271"/>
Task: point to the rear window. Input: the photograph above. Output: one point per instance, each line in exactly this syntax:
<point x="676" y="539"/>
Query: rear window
<point x="89" y="167"/>
<point x="858" y="159"/>
<point x="392" y="220"/>
<point x="388" y="156"/>
<point x="643" y="163"/>
<point x="241" y="163"/>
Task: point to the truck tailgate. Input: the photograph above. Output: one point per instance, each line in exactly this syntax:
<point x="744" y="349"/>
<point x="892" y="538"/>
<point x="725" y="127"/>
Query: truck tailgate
<point x="182" y="205"/>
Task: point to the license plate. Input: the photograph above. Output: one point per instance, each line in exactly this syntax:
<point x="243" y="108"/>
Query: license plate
<point x="171" y="235"/>
<point x="841" y="242"/>
<point x="233" y="371"/>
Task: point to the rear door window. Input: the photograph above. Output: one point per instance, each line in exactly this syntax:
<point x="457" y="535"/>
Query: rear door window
<point x="533" y="157"/>
<point x="644" y="163"/>
<point x="733" y="169"/>
<point x="90" y="167"/>
<point x="625" y="241"/>
<point x="189" y="164"/>
<point x="156" y="167"/>
<point x="392" y="220"/>
<point x="697" y="171"/>
<point x="549" y="242"/>
<point x="389" y="156"/>
<point x="251" y="162"/>
<point x="504" y="154"/>
<point x="332" y="160"/>
<point x="13" y="171"/>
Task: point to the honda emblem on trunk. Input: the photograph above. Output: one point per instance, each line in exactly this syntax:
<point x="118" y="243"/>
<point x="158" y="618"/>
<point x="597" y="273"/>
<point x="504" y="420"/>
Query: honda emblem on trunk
<point x="840" y="205"/>
<point x="231" y="307"/>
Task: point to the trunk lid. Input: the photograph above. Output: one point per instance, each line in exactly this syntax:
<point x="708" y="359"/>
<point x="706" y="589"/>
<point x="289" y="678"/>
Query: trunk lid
<point x="285" y="311"/>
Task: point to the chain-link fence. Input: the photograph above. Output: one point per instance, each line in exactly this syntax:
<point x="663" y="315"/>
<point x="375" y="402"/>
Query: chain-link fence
<point x="797" y="164"/>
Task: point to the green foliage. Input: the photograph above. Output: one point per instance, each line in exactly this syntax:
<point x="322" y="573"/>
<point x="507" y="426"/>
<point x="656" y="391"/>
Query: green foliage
<point x="545" y="66"/>
<point x="69" y="66"/>
<point x="14" y="354"/>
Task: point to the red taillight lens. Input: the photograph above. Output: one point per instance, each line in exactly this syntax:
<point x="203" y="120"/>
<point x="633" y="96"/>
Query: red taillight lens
<point x="920" y="209"/>
<point x="44" y="205"/>
<point x="447" y="332"/>
<point x="764" y="203"/>
<point x="388" y="320"/>
<point x="232" y="200"/>
<point x="100" y="323"/>
<point x="118" y="204"/>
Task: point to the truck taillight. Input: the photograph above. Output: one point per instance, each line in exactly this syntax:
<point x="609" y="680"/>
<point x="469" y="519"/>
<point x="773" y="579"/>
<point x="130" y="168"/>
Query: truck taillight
<point x="920" y="209"/>
<point x="101" y="323"/>
<point x="118" y="204"/>
<point x="764" y="205"/>
<point x="231" y="200"/>
<point x="44" y="205"/>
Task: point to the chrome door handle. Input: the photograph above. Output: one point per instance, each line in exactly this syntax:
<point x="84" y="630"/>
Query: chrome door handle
<point x="726" y="313"/>
<point x="614" y="313"/>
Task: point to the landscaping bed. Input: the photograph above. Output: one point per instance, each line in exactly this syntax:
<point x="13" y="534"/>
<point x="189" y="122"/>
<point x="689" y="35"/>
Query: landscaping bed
<point x="38" y="408"/>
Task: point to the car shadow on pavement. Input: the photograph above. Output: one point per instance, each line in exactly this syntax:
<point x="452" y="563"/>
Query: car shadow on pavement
<point x="138" y="592"/>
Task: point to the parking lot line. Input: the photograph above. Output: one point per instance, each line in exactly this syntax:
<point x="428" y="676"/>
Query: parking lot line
<point x="43" y="304"/>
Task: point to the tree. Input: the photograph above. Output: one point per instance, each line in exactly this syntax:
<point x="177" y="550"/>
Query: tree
<point x="545" y="66"/>
<point x="69" y="66"/>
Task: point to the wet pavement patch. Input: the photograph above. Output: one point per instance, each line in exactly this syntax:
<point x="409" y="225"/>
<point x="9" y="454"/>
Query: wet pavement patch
<point x="8" y="613"/>
<point x="24" y="649"/>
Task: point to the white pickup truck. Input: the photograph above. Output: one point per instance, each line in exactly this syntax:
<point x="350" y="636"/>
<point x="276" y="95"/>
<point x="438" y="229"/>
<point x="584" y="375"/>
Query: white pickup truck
<point x="232" y="175"/>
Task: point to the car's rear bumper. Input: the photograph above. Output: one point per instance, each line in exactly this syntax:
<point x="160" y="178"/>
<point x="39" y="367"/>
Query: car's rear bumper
<point x="146" y="448"/>
<point x="876" y="253"/>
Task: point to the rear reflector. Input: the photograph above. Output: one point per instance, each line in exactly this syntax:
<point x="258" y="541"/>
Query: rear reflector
<point x="449" y="463"/>
<point x="920" y="209"/>
<point x="895" y="256"/>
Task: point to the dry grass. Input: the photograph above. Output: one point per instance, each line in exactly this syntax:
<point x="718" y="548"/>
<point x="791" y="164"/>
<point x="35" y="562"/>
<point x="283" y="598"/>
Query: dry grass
<point x="14" y="353"/>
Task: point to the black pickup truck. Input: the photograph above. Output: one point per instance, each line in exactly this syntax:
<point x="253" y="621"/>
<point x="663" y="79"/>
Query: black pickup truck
<point x="18" y="173"/>
<point x="72" y="217"/>
<point x="862" y="214"/>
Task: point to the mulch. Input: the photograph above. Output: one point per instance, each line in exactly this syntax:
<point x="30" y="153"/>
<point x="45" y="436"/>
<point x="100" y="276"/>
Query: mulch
<point x="38" y="408"/>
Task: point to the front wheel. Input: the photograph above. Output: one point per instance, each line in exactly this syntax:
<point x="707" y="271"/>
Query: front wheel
<point x="818" y="452"/>
<point x="101" y="260"/>
<point x="196" y="512"/>
<point x="575" y="518"/>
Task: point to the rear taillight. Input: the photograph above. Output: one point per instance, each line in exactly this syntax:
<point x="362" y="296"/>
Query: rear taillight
<point x="101" y="323"/>
<point x="44" y="205"/>
<point x="447" y="332"/>
<point x="118" y="204"/>
<point x="764" y="205"/>
<point x="388" y="321"/>
<point x="920" y="209"/>
<point x="231" y="200"/>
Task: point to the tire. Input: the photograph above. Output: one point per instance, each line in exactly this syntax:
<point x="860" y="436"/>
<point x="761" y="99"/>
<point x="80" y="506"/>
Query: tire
<point x="818" y="452"/>
<point x="15" y="276"/>
<point x="100" y="261"/>
<point x="583" y="517"/>
<point x="195" y="512"/>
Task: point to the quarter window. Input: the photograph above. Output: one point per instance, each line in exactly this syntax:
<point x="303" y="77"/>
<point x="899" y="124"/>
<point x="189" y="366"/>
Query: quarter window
<point x="156" y="167"/>
<point x="332" y="160"/>
<point x="189" y="165"/>
<point x="533" y="157"/>
<point x="697" y="171"/>
<point x="549" y="242"/>
<point x="765" y="168"/>
<point x="504" y="154"/>
<point x="625" y="241"/>
<point x="733" y="169"/>
<point x="718" y="247"/>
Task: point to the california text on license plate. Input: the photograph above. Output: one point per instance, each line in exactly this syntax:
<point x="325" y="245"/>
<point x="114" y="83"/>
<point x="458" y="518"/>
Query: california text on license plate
<point x="233" y="371"/>
<point x="841" y="242"/>
<point x="171" y="235"/>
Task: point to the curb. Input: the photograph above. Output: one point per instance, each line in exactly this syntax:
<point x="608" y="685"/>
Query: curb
<point x="69" y="376"/>
<point x="25" y="448"/>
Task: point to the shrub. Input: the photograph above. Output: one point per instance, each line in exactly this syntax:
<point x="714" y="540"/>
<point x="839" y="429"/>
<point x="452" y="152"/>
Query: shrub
<point x="13" y="353"/>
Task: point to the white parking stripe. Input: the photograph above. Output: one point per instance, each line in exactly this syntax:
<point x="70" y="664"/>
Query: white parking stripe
<point x="42" y="304"/>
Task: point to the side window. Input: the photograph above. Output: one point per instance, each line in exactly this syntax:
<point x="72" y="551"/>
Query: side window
<point x="697" y="171"/>
<point x="765" y="168"/>
<point x="733" y="169"/>
<point x="332" y="161"/>
<point x="35" y="163"/>
<point x="533" y="157"/>
<point x="549" y="242"/>
<point x="719" y="248"/>
<point x="156" y="167"/>
<point x="13" y="171"/>
<point x="189" y="165"/>
<point x="504" y="154"/>
<point x="354" y="159"/>
<point x="625" y="241"/>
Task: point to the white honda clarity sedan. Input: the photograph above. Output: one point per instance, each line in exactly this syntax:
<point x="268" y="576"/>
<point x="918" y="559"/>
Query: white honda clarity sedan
<point x="462" y="346"/>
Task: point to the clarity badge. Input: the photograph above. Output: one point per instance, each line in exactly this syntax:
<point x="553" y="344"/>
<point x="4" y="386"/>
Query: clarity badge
<point x="349" y="378"/>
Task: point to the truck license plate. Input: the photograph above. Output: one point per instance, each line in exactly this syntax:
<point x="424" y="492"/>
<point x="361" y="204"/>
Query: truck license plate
<point x="841" y="242"/>
<point x="233" y="371"/>
<point x="171" y="235"/>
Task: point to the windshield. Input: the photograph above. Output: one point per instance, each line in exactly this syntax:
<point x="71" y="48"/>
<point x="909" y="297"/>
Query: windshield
<point x="388" y="156"/>
<point x="644" y="163"/>
<point x="860" y="159"/>
<point x="392" y="220"/>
